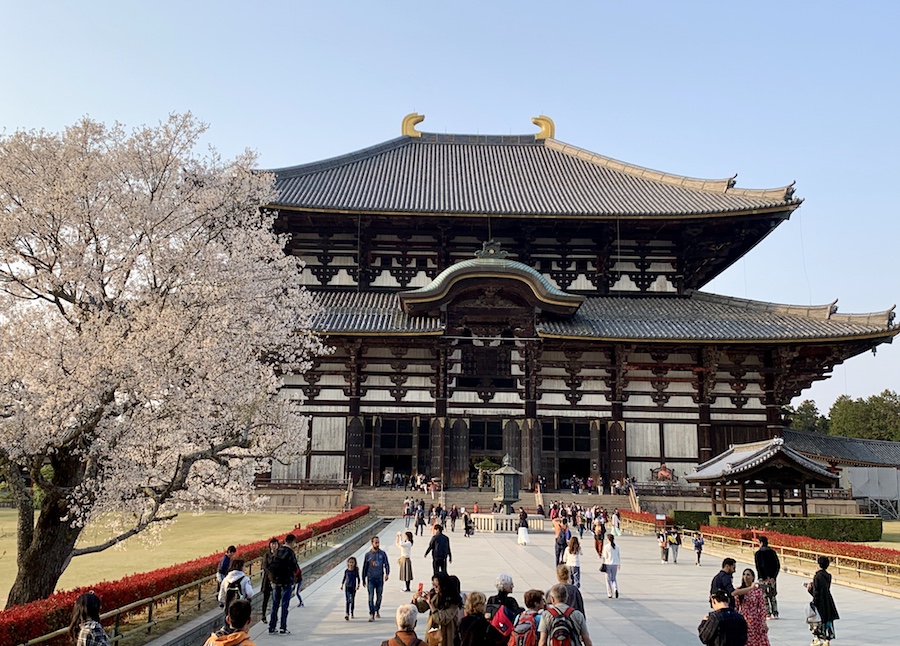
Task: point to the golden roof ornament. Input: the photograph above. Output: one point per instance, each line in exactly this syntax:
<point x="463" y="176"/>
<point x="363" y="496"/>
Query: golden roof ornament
<point x="408" y="127"/>
<point x="548" y="128"/>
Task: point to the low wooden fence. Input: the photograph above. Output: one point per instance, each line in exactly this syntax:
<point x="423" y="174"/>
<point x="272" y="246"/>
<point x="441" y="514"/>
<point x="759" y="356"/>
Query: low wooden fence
<point x="145" y="614"/>
<point x="845" y="566"/>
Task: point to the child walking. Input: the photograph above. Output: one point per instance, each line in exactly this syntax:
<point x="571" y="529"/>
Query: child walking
<point x="573" y="561"/>
<point x="350" y="584"/>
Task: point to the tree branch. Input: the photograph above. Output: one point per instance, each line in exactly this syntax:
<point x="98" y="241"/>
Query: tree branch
<point x="137" y="529"/>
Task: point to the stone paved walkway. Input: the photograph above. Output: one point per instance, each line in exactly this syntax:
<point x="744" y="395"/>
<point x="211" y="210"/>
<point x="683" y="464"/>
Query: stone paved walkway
<point x="659" y="604"/>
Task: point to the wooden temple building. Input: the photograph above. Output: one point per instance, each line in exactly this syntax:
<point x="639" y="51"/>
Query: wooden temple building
<point x="487" y="295"/>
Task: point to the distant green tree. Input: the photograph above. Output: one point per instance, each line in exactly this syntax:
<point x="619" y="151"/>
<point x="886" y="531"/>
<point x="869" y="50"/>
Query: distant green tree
<point x="806" y="417"/>
<point x="874" y="418"/>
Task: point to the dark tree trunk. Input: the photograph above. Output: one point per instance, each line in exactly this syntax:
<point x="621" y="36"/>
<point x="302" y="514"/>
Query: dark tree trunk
<point x="45" y="547"/>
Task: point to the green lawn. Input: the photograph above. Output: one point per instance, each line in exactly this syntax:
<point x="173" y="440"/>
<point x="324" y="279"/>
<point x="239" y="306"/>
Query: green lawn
<point x="190" y="537"/>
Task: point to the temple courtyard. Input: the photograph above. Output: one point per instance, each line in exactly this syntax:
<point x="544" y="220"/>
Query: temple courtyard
<point x="659" y="604"/>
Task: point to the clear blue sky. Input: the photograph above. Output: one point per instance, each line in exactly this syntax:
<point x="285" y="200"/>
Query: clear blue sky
<point x="773" y="91"/>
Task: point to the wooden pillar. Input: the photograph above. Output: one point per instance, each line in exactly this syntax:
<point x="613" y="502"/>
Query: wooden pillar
<point x="743" y="499"/>
<point x="781" y="500"/>
<point x="804" y="511"/>
<point x="353" y="451"/>
<point x="773" y="409"/>
<point x="724" y="499"/>
<point x="712" y="495"/>
<point x="769" y="500"/>
<point x="706" y="381"/>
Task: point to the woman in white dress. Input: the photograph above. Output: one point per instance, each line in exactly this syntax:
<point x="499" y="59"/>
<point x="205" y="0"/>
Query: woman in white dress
<point x="405" y="543"/>
<point x="523" y="527"/>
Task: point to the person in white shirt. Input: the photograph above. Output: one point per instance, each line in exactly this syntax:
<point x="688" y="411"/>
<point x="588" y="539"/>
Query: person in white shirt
<point x="611" y="563"/>
<point x="405" y="543"/>
<point x="573" y="561"/>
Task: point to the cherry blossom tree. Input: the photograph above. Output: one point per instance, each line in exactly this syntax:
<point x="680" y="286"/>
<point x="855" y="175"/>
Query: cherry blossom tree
<point x="147" y="310"/>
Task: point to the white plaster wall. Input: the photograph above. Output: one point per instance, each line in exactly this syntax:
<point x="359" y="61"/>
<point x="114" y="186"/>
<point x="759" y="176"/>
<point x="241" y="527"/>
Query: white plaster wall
<point x="681" y="440"/>
<point x="326" y="467"/>
<point x="328" y="433"/>
<point x="641" y="439"/>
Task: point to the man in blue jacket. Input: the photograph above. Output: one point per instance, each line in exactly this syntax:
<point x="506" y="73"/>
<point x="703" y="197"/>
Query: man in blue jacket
<point x="375" y="572"/>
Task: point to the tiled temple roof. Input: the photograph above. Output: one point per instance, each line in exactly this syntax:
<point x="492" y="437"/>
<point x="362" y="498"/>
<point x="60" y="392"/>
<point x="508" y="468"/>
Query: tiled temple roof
<point x="698" y="318"/>
<point x="743" y="458"/>
<point x="844" y="450"/>
<point x="508" y="175"/>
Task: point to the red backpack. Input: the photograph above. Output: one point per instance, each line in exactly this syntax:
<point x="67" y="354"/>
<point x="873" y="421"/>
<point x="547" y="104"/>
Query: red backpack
<point x="562" y="630"/>
<point x="524" y="632"/>
<point x="503" y="620"/>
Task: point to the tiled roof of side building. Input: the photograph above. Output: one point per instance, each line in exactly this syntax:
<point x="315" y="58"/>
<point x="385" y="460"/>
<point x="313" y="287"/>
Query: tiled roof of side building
<point x="701" y="317"/>
<point x="513" y="175"/>
<point x="743" y="458"/>
<point x="848" y="450"/>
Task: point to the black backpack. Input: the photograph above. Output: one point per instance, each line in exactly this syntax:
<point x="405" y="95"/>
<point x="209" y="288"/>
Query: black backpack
<point x="234" y="591"/>
<point x="283" y="566"/>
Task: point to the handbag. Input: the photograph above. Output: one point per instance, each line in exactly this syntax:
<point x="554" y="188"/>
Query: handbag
<point x="603" y="567"/>
<point x="812" y="614"/>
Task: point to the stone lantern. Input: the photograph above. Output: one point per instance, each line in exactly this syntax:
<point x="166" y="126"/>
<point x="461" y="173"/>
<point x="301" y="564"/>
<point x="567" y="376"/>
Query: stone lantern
<point x="506" y="486"/>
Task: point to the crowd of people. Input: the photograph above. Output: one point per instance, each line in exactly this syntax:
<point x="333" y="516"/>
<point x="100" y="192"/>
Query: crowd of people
<point x="738" y="616"/>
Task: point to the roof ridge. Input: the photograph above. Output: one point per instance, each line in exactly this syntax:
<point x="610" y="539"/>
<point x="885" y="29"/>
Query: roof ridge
<point x="341" y="160"/>
<point x="725" y="185"/>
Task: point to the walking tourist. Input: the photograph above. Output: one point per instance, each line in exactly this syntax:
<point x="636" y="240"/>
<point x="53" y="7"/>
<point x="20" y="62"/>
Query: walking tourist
<point x="750" y="601"/>
<point x="439" y="548"/>
<point x="561" y="537"/>
<point x="283" y="571"/>
<point x="722" y="580"/>
<point x="267" y="576"/>
<point x="236" y="585"/>
<point x="85" y="628"/>
<point x="611" y="561"/>
<point x="573" y="561"/>
<point x="723" y="626"/>
<point x="376" y="570"/>
<point x="820" y="589"/>
<point x="406" y="618"/>
<point x="560" y="616"/>
<point x="662" y="539"/>
<point x="225" y="564"/>
<point x="573" y="594"/>
<point x="523" y="527"/>
<point x="350" y="585"/>
<point x="474" y="628"/>
<point x="698" y="545"/>
<point x="237" y="626"/>
<point x="599" y="529"/>
<point x="674" y="539"/>
<point x="768" y="566"/>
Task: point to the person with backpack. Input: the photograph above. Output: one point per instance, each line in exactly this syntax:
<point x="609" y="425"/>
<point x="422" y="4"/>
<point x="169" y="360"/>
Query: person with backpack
<point x="662" y="540"/>
<point x="561" y="624"/>
<point x="502" y="609"/>
<point x="237" y="627"/>
<point x="723" y="626"/>
<point x="561" y="538"/>
<point x="235" y="585"/>
<point x="573" y="594"/>
<point x="283" y="570"/>
<point x="474" y="628"/>
<point x="407" y="617"/>
<point x="525" y="631"/>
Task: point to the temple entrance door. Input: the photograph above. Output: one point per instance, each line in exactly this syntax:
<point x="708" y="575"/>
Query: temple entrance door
<point x="579" y="467"/>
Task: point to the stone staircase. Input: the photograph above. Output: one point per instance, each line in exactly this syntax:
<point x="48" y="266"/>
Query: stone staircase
<point x="389" y="502"/>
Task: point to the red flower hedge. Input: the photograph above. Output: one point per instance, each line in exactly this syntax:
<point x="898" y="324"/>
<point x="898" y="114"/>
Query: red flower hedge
<point x="880" y="555"/>
<point x="643" y="517"/>
<point x="30" y="620"/>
